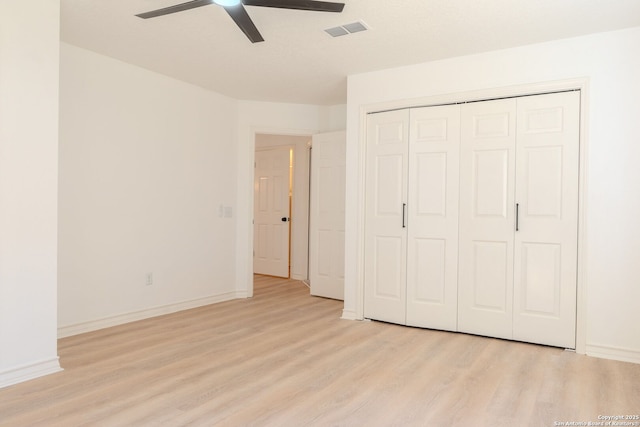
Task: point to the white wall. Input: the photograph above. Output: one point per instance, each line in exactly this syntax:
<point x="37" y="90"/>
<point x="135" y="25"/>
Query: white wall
<point x="269" y="118"/>
<point x="29" y="47"/>
<point x="333" y="118"/>
<point x="612" y="64"/>
<point x="145" y="163"/>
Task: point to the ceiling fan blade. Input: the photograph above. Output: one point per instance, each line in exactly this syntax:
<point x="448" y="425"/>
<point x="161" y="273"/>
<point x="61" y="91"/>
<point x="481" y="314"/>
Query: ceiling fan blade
<point x="173" y="9"/>
<point x="317" y="6"/>
<point x="241" y="18"/>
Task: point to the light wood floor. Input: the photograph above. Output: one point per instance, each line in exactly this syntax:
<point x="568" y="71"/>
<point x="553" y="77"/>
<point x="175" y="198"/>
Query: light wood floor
<point x="284" y="358"/>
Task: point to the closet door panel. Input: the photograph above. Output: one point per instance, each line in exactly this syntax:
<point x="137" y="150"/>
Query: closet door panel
<point x="490" y="276"/>
<point x="539" y="280"/>
<point x="387" y="258"/>
<point x="546" y="240"/>
<point x="431" y="184"/>
<point x="490" y="184"/>
<point x="429" y="257"/>
<point x="385" y="236"/>
<point x="433" y="217"/>
<point x="487" y="174"/>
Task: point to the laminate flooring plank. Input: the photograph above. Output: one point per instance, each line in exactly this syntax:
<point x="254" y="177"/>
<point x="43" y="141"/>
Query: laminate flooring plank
<point x="285" y="358"/>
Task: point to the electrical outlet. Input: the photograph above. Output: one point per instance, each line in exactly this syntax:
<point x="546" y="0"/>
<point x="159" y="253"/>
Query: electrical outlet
<point x="149" y="281"/>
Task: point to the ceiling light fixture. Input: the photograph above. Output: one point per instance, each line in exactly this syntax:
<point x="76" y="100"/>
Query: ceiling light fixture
<point x="227" y="3"/>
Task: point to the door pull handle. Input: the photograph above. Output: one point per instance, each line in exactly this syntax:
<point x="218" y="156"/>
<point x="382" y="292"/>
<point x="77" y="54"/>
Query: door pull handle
<point x="284" y="219"/>
<point x="517" y="216"/>
<point x="404" y="211"/>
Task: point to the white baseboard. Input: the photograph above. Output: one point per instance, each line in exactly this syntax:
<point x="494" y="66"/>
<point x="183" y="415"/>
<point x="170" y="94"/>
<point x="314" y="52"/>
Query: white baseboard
<point x="349" y="315"/>
<point x="29" y="372"/>
<point x="614" y="353"/>
<point x="107" y="322"/>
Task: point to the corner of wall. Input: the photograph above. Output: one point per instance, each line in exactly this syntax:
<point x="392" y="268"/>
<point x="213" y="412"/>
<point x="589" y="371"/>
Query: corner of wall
<point x="29" y="372"/>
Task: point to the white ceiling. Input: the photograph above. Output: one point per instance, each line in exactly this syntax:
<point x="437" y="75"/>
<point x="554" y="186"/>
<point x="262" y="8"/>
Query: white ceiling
<point x="299" y="63"/>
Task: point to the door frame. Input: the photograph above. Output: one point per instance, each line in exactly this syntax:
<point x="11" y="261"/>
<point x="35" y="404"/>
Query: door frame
<point x="581" y="84"/>
<point x="245" y="271"/>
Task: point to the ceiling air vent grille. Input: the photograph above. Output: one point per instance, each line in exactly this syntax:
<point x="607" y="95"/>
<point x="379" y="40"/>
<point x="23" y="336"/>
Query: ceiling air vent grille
<point x="343" y="30"/>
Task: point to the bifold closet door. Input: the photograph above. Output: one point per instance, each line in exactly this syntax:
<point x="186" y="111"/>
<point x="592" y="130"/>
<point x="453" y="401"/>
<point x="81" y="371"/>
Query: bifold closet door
<point x="432" y="223"/>
<point x="385" y="216"/>
<point x="471" y="217"/>
<point x="547" y="161"/>
<point x="487" y="212"/>
<point x="519" y="218"/>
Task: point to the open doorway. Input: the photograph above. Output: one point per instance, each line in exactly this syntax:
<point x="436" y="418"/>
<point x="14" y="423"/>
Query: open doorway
<point x="273" y="247"/>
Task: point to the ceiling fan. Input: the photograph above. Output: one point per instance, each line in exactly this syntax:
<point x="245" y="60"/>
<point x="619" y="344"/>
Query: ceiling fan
<point x="235" y="9"/>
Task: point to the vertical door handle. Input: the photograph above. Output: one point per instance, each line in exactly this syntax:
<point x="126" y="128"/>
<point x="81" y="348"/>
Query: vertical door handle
<point x="404" y="210"/>
<point x="517" y="216"/>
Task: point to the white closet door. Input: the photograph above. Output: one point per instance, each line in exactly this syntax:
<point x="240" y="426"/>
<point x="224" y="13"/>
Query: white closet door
<point x="547" y="198"/>
<point x="432" y="251"/>
<point x="326" y="225"/>
<point x="385" y="201"/>
<point x="487" y="168"/>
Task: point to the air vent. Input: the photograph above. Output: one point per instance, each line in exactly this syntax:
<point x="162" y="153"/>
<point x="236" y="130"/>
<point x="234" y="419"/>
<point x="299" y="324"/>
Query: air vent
<point x="343" y="30"/>
<point x="336" y="31"/>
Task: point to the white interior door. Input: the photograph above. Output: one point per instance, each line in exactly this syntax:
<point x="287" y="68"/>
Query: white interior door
<point x="487" y="179"/>
<point x="385" y="216"/>
<point x="326" y="226"/>
<point x="546" y="237"/>
<point x="432" y="252"/>
<point x="272" y="211"/>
